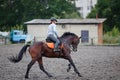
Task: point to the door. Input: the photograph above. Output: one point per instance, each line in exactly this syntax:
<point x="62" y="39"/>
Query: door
<point x="85" y="36"/>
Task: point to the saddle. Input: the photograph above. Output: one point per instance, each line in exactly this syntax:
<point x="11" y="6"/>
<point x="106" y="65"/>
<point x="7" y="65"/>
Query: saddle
<point x="51" y="44"/>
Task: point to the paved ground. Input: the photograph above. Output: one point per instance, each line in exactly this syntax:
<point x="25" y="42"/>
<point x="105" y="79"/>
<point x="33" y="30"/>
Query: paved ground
<point x="93" y="62"/>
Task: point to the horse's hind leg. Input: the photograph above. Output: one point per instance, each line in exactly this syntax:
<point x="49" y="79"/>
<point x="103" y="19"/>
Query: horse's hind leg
<point x="29" y="67"/>
<point x="42" y="67"/>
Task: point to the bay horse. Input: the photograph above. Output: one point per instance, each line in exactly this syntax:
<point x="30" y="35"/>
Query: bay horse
<point x="40" y="49"/>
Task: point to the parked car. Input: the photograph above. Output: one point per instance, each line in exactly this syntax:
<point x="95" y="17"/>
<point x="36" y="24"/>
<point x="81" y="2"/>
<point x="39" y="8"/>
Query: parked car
<point x="17" y="36"/>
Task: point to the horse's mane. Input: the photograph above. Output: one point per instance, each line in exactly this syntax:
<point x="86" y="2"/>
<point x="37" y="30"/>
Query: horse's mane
<point x="67" y="34"/>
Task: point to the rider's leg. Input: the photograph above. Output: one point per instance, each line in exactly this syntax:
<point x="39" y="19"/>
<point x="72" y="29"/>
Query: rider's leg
<point x="57" y="42"/>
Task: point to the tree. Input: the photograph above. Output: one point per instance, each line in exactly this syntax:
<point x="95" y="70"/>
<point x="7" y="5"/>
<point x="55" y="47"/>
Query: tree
<point x="10" y="13"/>
<point x="33" y="9"/>
<point x="107" y="9"/>
<point x="93" y="13"/>
<point x="16" y="12"/>
<point x="115" y="9"/>
<point x="46" y="8"/>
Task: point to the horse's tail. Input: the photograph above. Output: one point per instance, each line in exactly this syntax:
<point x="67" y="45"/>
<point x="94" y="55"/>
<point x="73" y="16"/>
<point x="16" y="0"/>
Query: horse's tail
<point x="20" y="55"/>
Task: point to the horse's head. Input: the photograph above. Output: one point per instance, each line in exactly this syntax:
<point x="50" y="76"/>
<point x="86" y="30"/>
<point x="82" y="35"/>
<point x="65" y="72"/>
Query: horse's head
<point x="71" y="39"/>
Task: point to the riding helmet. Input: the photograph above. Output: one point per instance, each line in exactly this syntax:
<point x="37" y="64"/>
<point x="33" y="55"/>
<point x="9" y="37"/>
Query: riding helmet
<point x="53" y="19"/>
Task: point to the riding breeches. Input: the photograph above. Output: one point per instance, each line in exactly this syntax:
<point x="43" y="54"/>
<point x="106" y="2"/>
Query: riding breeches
<point x="54" y="39"/>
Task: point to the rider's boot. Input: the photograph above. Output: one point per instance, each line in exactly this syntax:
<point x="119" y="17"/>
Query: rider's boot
<point x="56" y="49"/>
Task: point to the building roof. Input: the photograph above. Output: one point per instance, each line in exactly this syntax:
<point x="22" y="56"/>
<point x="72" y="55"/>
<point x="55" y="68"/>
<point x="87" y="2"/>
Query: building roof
<point x="67" y="21"/>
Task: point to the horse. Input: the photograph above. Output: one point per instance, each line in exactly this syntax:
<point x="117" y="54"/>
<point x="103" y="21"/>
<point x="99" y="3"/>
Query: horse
<point x="40" y="49"/>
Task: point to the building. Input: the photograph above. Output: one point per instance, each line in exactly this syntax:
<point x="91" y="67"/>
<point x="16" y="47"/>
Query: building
<point x="91" y="30"/>
<point x="85" y="6"/>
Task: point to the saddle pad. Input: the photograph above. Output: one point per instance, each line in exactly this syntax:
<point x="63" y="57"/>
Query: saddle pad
<point x="51" y="45"/>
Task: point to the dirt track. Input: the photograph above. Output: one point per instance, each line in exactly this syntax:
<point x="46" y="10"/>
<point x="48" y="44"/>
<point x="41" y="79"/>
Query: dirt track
<point x="93" y="62"/>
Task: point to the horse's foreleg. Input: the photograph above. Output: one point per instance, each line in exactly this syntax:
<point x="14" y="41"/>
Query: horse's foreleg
<point x="75" y="69"/>
<point x="42" y="67"/>
<point x="69" y="67"/>
<point x="29" y="67"/>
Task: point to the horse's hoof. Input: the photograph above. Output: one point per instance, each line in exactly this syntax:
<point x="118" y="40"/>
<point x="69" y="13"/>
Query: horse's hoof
<point x="50" y="76"/>
<point x="26" y="77"/>
<point x="68" y="70"/>
<point x="79" y="75"/>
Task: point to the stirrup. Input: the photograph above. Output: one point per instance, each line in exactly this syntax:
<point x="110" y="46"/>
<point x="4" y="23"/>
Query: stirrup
<point x="56" y="50"/>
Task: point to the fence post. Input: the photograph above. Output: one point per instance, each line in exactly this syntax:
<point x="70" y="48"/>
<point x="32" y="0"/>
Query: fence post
<point x="5" y="40"/>
<point x="92" y="43"/>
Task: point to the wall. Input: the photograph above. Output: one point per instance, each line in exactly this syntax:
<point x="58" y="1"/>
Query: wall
<point x="40" y="31"/>
<point x="100" y="33"/>
<point x="93" y="31"/>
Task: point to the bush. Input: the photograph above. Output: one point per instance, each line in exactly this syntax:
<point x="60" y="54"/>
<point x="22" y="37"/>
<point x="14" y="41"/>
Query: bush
<point x="112" y="37"/>
<point x="17" y="27"/>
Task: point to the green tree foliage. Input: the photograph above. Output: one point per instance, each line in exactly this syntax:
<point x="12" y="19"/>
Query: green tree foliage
<point x="93" y="13"/>
<point x="115" y="9"/>
<point x="33" y="9"/>
<point x="47" y="8"/>
<point x="109" y="9"/>
<point x="16" y="12"/>
<point x="11" y="12"/>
